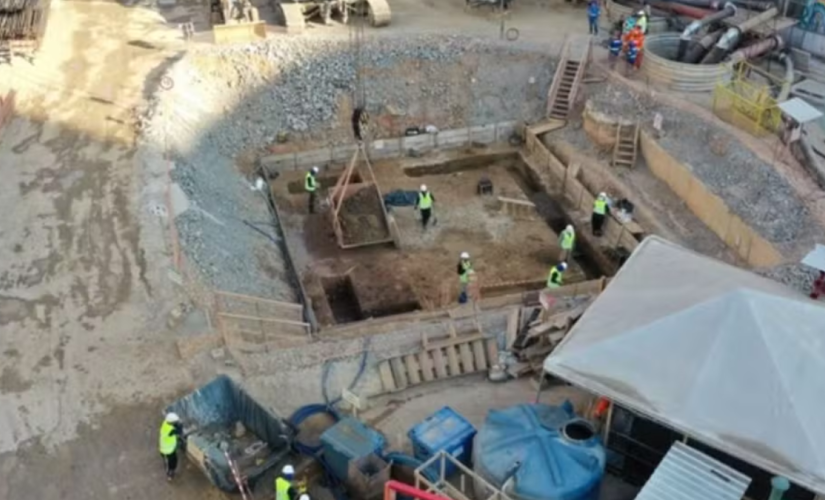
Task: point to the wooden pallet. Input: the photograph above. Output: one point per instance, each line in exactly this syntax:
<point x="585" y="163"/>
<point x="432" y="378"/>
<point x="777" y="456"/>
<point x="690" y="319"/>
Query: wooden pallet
<point x="440" y="359"/>
<point x="626" y="148"/>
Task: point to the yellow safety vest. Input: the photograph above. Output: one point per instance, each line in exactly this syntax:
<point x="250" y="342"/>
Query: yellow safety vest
<point x="167" y="443"/>
<point x="599" y="207"/>
<point x="466" y="266"/>
<point x="309" y="183"/>
<point x="567" y="239"/>
<point x="425" y="201"/>
<point x="554" y="279"/>
<point x="282" y="487"/>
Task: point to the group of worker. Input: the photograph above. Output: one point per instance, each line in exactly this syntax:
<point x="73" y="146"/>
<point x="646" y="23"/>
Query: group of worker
<point x="630" y="41"/>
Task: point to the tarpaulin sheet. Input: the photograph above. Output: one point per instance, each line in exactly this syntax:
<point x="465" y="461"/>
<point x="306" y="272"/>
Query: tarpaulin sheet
<point x="720" y="354"/>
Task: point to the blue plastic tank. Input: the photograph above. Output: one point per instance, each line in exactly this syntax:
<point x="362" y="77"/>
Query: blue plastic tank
<point x="540" y="452"/>
<point x="444" y="430"/>
<point x="349" y="440"/>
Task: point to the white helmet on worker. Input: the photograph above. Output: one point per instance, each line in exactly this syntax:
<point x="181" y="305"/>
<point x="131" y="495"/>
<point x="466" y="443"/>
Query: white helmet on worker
<point x="423" y="188"/>
<point x="172" y="417"/>
<point x="569" y="228"/>
<point x="303" y="496"/>
<point x="562" y="266"/>
<point x="315" y="170"/>
<point x="288" y="471"/>
<point x="602" y="195"/>
<point x="465" y="255"/>
<point x="640" y="13"/>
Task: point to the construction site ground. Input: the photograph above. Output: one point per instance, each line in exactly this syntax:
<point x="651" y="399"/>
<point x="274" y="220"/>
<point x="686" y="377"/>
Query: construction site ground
<point x="92" y="294"/>
<point x="421" y="273"/>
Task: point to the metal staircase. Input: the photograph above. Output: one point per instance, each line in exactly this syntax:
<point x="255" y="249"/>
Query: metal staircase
<point x="570" y="72"/>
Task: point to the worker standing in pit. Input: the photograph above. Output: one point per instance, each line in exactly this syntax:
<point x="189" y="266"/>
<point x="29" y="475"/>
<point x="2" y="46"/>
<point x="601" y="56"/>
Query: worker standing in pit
<point x="424" y="203"/>
<point x="555" y="277"/>
<point x="171" y="431"/>
<point x="615" y="49"/>
<point x="567" y="239"/>
<point x="311" y="186"/>
<point x="600" y="211"/>
<point x="283" y="484"/>
<point x="465" y="269"/>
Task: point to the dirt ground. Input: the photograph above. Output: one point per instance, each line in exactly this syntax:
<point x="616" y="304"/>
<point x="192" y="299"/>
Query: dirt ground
<point x="503" y="247"/>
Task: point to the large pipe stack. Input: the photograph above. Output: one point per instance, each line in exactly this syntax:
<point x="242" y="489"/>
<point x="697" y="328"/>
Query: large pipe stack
<point x="773" y="42"/>
<point x="696" y="26"/>
<point x="731" y="38"/>
<point x="701" y="47"/>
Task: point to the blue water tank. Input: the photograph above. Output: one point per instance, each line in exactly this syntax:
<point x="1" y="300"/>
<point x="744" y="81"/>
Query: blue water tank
<point x="540" y="452"/>
<point x="444" y="430"/>
<point x="349" y="440"/>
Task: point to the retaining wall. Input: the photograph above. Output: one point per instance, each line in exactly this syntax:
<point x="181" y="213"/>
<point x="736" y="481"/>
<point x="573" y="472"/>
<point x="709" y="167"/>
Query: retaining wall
<point x="380" y="149"/>
<point x="661" y="70"/>
<point x="709" y="208"/>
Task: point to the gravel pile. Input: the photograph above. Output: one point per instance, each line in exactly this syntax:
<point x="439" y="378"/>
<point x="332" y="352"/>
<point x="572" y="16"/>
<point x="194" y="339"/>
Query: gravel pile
<point x="750" y="187"/>
<point x="226" y="101"/>
<point x="793" y="275"/>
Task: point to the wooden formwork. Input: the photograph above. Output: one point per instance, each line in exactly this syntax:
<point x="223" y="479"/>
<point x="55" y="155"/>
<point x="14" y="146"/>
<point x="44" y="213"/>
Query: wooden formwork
<point x="247" y="320"/>
<point x="344" y="189"/>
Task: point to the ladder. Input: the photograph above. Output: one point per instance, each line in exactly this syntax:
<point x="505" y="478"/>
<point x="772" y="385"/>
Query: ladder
<point x="625" y="150"/>
<point x="568" y="78"/>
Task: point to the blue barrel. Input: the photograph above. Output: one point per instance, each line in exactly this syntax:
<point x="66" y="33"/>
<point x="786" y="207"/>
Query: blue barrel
<point x="444" y="430"/>
<point x="540" y="452"/>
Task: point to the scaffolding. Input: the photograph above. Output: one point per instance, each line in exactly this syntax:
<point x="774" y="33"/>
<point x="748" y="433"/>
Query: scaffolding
<point x="746" y="104"/>
<point x="431" y="476"/>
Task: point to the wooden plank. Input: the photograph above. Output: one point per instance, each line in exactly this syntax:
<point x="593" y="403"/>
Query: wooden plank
<point x="512" y="328"/>
<point x="479" y="355"/>
<point x="467" y="363"/>
<point x="387" y="378"/>
<point x="452" y="360"/>
<point x="492" y="350"/>
<point x="412" y="369"/>
<point x="399" y="371"/>
<point x="439" y="363"/>
<point x="426" y="364"/>
<point x="267" y="320"/>
<point x="440" y="344"/>
<point x="513" y="201"/>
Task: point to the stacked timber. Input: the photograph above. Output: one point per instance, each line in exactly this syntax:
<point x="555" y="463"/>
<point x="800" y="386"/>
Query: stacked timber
<point x="23" y="21"/>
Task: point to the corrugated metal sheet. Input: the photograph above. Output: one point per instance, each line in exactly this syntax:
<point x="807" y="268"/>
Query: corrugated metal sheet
<point x="688" y="474"/>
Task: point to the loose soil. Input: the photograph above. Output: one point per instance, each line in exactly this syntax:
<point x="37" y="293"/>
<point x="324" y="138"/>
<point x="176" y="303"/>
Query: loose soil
<point x="362" y="218"/>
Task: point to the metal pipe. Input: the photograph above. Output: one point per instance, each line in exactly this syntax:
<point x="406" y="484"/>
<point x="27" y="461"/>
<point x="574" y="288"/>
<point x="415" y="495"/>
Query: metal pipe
<point x="773" y="42"/>
<point x="812" y="161"/>
<point x="757" y="5"/>
<point x="701" y="47"/>
<point x="730" y="39"/>
<point x="697" y="25"/>
<point x="704" y="4"/>
<point x="785" y="91"/>
<point x="682" y="10"/>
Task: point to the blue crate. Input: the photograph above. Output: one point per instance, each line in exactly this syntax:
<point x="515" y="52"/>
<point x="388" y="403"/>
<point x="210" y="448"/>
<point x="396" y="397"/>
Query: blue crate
<point x="349" y="440"/>
<point x="444" y="430"/>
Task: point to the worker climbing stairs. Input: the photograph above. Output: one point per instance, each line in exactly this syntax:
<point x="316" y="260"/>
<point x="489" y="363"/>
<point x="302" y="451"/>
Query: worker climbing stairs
<point x="568" y="78"/>
<point x="627" y="145"/>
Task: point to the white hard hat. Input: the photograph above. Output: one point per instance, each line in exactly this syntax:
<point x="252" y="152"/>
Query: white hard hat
<point x="172" y="417"/>
<point x="569" y="227"/>
<point x="563" y="265"/>
<point x="465" y="255"/>
<point x="602" y="195"/>
<point x="303" y="497"/>
<point x="423" y="187"/>
<point x="288" y="470"/>
<point x="315" y="170"/>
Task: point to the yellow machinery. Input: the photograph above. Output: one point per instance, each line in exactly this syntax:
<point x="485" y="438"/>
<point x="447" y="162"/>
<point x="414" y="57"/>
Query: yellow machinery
<point x="746" y="103"/>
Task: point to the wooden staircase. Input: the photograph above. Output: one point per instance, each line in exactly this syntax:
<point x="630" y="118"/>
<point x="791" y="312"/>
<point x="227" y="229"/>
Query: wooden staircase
<point x="568" y="78"/>
<point x="626" y="148"/>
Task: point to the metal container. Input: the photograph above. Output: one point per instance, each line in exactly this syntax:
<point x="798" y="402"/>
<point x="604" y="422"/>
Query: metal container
<point x="444" y="430"/>
<point x="346" y="441"/>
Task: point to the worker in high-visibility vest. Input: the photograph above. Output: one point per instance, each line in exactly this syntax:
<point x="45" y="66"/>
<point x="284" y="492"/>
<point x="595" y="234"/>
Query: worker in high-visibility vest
<point x="465" y="270"/>
<point x="567" y="239"/>
<point x="424" y="203"/>
<point x="555" y="277"/>
<point x="170" y="431"/>
<point x="284" y="490"/>
<point x="311" y="186"/>
<point x="600" y="211"/>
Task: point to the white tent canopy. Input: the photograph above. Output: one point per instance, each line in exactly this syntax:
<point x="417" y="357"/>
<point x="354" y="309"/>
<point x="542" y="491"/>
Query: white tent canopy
<point x="732" y="359"/>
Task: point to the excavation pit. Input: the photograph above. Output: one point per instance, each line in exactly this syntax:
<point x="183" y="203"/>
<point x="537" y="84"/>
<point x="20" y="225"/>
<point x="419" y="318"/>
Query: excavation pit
<point x="511" y="235"/>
